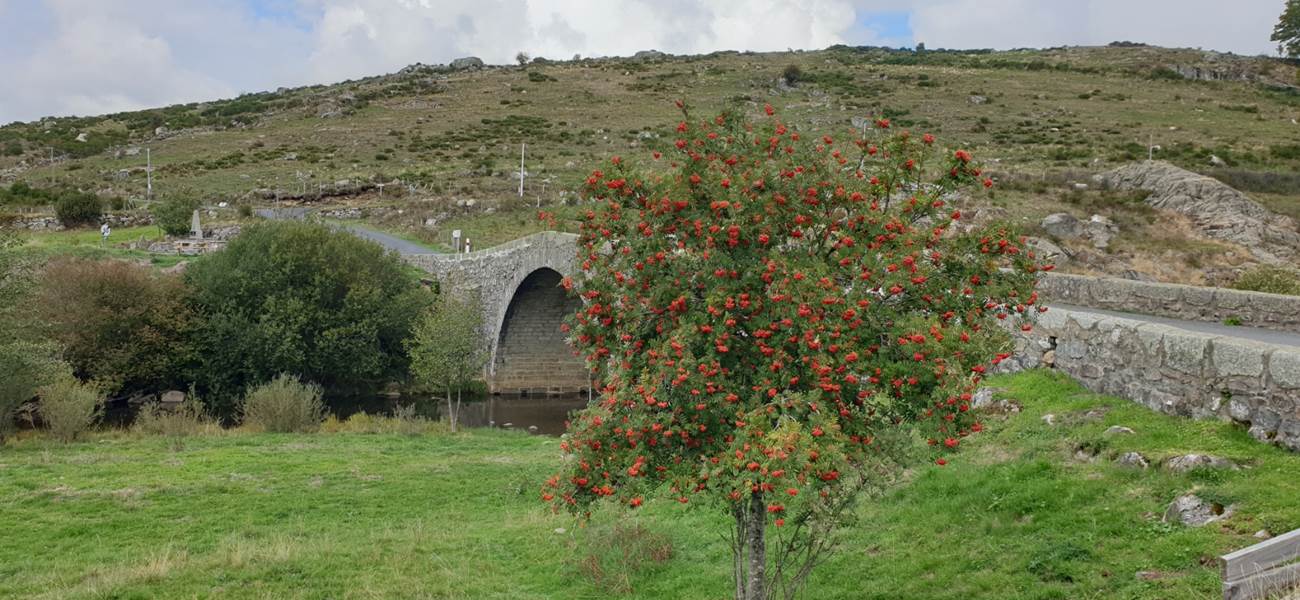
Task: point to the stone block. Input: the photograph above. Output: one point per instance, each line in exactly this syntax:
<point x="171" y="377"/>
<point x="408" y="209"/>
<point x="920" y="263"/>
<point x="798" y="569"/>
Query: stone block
<point x="1185" y="352"/>
<point x="1239" y="358"/>
<point x="1284" y="368"/>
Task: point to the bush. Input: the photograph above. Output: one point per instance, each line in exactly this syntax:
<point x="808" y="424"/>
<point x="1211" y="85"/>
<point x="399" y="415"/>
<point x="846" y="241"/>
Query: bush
<point x="184" y="419"/>
<point x="301" y="298"/>
<point x="120" y="324"/>
<point x="70" y="408"/>
<point x="78" y="208"/>
<point x="1271" y="280"/>
<point x="284" y="405"/>
<point x="175" y="214"/>
<point x="404" y="421"/>
<point x="792" y="75"/>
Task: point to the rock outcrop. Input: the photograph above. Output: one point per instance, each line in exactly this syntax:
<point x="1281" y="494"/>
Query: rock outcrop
<point x="1216" y="209"/>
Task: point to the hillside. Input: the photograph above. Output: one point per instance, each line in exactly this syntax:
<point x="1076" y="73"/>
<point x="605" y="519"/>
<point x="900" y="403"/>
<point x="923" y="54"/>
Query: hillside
<point x="445" y="142"/>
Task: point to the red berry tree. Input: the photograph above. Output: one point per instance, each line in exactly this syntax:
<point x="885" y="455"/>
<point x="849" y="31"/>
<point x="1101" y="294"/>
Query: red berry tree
<point x="766" y="310"/>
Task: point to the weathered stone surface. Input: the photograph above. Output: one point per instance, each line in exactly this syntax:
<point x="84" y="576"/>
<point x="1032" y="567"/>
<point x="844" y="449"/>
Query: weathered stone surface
<point x="1132" y="459"/>
<point x="1118" y="430"/>
<point x="1284" y="368"/>
<point x="1185" y="352"/>
<point x="1239" y="357"/>
<point x="1217" y="210"/>
<point x="467" y="63"/>
<point x="172" y="397"/>
<point x="1187" y="462"/>
<point x="1192" y="511"/>
<point x="1062" y="225"/>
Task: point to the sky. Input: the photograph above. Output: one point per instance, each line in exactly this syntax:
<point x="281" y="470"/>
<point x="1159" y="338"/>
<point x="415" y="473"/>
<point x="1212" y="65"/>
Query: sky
<point x="88" y="57"/>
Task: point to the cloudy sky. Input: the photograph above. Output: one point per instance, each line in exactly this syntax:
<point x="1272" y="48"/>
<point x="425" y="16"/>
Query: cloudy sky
<point x="84" y="57"/>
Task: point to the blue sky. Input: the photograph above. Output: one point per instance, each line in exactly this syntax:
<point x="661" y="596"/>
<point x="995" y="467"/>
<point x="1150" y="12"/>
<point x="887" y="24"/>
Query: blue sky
<point x="65" y="57"/>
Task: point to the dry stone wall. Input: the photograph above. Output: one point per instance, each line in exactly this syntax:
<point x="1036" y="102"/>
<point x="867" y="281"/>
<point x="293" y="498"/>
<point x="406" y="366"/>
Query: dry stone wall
<point x="1172" y="370"/>
<point x="1270" y="311"/>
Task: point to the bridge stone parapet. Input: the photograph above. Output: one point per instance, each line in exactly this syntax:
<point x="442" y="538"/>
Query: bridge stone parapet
<point x="517" y="284"/>
<point x="1171" y="370"/>
<point x="1190" y="303"/>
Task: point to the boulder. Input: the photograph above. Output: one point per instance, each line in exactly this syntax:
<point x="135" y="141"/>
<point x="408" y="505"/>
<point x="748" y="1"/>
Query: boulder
<point x="1187" y="462"/>
<point x="1118" y="430"/>
<point x="1062" y="226"/>
<point x="1099" y="230"/>
<point x="1216" y="209"/>
<point x="1192" y="511"/>
<point x="977" y="100"/>
<point x="1132" y="459"/>
<point x="648" y="55"/>
<point x="172" y="397"/>
<point x="467" y="63"/>
<point x="1046" y="250"/>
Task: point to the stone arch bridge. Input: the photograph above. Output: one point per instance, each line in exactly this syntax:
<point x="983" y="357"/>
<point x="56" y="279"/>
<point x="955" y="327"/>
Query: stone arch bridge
<point x="518" y="284"/>
<point x="1164" y="346"/>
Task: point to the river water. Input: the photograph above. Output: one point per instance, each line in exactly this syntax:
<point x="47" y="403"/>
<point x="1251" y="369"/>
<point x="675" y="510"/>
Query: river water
<point x="539" y="414"/>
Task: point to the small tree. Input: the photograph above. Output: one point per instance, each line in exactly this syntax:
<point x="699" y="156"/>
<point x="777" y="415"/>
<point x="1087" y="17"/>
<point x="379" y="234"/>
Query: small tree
<point x="1287" y="31"/>
<point x="27" y="361"/>
<point x="175" y="215"/>
<point x="765" y="313"/>
<point x="70" y="407"/>
<point x="447" y="350"/>
<point x="75" y="209"/>
<point x="122" y="325"/>
<point x="792" y="75"/>
<point x="522" y="58"/>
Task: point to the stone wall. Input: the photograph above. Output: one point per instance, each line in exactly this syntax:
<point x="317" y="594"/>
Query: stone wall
<point x="1171" y="370"/>
<point x="1270" y="311"/>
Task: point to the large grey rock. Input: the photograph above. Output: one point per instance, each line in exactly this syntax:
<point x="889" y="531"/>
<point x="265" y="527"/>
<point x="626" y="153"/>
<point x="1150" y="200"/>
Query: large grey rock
<point x="1062" y="225"/>
<point x="1284" y="366"/>
<point x="648" y="55"/>
<point x="1099" y="230"/>
<point x="1217" y="210"/>
<point x="467" y="63"/>
<point x="1132" y="459"/>
<point x="1192" y="511"/>
<point x="1187" y="462"/>
<point x="1048" y="251"/>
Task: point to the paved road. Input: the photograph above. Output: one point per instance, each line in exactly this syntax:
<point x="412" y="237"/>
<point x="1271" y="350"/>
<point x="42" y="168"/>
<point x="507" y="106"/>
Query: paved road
<point x="392" y="243"/>
<point x="1267" y="336"/>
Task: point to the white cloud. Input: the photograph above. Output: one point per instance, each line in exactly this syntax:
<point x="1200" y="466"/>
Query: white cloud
<point x="96" y="56"/>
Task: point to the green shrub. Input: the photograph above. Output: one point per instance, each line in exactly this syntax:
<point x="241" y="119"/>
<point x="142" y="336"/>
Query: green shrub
<point x="78" y="208"/>
<point x="1271" y="280"/>
<point x="301" y="298"/>
<point x="792" y="74"/>
<point x="70" y="408"/>
<point x="284" y="405"/>
<point x="120" y="324"/>
<point x="174" y="215"/>
<point x="184" y="419"/>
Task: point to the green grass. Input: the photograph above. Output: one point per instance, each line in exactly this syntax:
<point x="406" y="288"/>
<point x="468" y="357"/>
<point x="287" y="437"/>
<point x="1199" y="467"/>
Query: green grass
<point x="85" y="243"/>
<point x="456" y="516"/>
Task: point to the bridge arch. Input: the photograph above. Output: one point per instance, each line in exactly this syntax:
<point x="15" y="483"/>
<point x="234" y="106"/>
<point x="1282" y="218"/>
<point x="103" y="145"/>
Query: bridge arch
<point x="530" y="353"/>
<point x="517" y="285"/>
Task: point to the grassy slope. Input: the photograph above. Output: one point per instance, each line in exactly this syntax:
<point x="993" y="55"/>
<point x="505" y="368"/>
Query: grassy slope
<point x="361" y="516"/>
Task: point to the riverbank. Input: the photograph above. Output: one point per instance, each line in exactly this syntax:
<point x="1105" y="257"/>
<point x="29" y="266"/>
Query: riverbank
<point x="1018" y="514"/>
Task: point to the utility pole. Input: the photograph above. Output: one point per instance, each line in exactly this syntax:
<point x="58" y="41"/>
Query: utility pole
<point x="521" y="169"/>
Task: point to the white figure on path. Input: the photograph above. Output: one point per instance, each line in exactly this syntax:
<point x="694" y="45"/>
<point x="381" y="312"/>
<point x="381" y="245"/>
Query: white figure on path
<point x="104" y="232"/>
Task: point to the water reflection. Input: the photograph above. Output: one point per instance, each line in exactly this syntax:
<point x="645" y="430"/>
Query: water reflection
<point x="540" y="414"/>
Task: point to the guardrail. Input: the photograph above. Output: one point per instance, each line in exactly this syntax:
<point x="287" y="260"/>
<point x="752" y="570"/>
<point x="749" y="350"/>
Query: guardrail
<point x="1270" y="566"/>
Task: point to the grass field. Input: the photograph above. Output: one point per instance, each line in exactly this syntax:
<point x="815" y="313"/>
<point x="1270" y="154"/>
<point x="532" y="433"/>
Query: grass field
<point x="241" y="515"/>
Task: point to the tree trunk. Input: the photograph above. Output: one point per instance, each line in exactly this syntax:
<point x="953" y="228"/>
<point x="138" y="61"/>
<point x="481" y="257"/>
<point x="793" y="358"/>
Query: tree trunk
<point x="451" y="411"/>
<point x="757" y="548"/>
<point x="458" y="406"/>
<point x="750" y="549"/>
